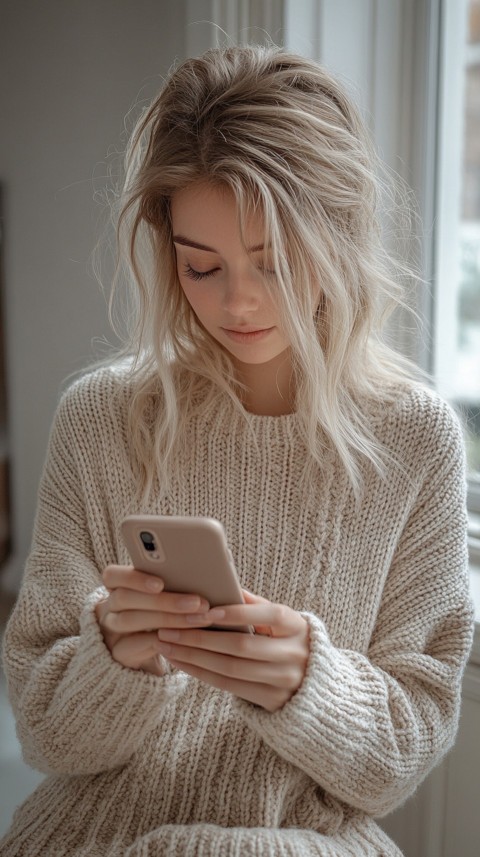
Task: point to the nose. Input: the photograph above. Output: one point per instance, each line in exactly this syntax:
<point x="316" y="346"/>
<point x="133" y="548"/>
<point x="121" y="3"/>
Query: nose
<point x="242" y="294"/>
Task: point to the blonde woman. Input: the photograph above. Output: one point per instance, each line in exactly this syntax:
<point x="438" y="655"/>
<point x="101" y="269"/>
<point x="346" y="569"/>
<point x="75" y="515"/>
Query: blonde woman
<point x="254" y="388"/>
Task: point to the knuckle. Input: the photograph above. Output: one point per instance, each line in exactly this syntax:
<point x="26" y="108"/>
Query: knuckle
<point x="291" y="678"/>
<point x="105" y="621"/>
<point x="275" y="700"/>
<point x="279" y="698"/>
<point x="108" y="573"/>
<point x="282" y="613"/>
<point x="113" y="604"/>
<point x="101" y="609"/>
<point x="123" y="656"/>
<point x="114" y="622"/>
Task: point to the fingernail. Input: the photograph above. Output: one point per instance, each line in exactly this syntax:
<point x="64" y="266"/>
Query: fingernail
<point x="192" y="602"/>
<point x="189" y="602"/>
<point x="208" y="618"/>
<point x="154" y="585"/>
<point x="216" y="613"/>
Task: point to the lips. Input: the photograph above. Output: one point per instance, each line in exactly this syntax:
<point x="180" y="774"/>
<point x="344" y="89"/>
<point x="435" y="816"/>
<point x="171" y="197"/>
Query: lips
<point x="245" y="329"/>
<point x="246" y="335"/>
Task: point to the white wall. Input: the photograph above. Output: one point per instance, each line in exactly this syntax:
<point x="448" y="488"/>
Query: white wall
<point x="70" y="71"/>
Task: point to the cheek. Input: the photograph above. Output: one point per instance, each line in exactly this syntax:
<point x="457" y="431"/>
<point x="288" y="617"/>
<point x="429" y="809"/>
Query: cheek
<point x="198" y="300"/>
<point x="191" y="296"/>
<point x="188" y="292"/>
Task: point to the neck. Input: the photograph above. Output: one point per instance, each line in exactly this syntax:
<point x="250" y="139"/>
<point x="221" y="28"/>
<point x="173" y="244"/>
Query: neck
<point x="270" y="386"/>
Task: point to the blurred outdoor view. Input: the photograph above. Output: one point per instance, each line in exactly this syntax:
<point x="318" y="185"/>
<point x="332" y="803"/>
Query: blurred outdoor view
<point x="467" y="382"/>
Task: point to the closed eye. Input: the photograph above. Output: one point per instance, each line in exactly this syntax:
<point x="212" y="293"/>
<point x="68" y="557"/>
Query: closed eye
<point x="198" y="275"/>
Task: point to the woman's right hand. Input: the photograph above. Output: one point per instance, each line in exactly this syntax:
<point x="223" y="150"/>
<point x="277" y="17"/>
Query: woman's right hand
<point x="136" y="608"/>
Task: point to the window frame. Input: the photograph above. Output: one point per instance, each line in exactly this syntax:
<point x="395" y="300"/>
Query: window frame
<point x="451" y="31"/>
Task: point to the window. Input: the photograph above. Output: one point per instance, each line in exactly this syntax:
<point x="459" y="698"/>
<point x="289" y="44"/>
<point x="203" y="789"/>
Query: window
<point x="457" y="291"/>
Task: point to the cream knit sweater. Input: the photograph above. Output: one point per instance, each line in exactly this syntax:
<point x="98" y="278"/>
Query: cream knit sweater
<point x="139" y="765"/>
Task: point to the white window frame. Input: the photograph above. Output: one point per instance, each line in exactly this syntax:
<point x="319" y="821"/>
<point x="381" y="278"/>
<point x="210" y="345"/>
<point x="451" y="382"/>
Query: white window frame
<point x="449" y="188"/>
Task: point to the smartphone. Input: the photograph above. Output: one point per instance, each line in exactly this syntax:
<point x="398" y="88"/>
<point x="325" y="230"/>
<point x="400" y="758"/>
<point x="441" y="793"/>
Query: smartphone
<point x="190" y="554"/>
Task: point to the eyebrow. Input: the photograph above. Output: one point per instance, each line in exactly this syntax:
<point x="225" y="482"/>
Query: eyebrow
<point x="187" y="242"/>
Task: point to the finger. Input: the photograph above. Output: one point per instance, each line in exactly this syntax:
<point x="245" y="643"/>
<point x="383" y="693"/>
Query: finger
<point x="168" y="602"/>
<point x="258" y="672"/>
<point x="136" y="649"/>
<point x="268" y="697"/>
<point x="282" y="620"/>
<point x="129" y="577"/>
<point x="236" y="645"/>
<point x="133" y="621"/>
<point x="251" y="598"/>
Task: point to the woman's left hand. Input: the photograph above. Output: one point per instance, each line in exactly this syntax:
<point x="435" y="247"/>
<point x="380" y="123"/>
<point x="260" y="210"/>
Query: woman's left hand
<point x="265" y="668"/>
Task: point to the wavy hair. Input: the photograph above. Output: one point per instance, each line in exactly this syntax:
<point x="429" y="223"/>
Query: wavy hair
<point x="280" y="132"/>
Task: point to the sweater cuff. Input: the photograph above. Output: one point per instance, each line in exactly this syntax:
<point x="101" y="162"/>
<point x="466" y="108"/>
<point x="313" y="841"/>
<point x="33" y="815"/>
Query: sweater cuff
<point x="97" y="712"/>
<point x="111" y="677"/>
<point x="358" y="835"/>
<point x="321" y="720"/>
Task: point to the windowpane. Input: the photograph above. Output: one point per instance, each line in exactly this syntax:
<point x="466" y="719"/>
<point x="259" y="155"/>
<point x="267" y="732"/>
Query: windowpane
<point x="458" y="304"/>
<point x="469" y="293"/>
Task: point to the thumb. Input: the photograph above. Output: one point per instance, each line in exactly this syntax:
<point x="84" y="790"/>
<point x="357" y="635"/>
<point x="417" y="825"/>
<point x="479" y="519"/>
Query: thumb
<point x="250" y="598"/>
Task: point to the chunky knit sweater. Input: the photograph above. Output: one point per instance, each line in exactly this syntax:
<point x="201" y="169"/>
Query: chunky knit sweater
<point x="146" y="766"/>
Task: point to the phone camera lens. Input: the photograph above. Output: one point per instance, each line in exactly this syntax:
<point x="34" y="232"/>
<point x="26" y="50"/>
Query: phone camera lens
<point x="148" y="541"/>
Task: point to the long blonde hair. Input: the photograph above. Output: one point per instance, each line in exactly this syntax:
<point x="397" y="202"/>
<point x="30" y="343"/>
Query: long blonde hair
<point x="279" y="131"/>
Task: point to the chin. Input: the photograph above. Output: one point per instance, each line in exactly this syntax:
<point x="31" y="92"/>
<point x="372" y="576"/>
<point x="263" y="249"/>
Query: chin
<point x="258" y="359"/>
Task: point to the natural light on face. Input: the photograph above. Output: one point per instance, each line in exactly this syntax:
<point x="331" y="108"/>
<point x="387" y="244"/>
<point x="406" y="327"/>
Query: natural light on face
<point x="224" y="282"/>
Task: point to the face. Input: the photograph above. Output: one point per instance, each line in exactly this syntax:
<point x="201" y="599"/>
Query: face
<point x="224" y="283"/>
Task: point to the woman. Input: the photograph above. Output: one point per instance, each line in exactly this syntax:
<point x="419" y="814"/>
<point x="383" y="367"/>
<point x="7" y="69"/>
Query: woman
<point x="256" y="391"/>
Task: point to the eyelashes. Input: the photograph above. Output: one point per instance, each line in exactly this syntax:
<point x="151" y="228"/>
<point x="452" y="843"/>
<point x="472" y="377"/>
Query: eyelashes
<point x="198" y="275"/>
<point x="202" y="275"/>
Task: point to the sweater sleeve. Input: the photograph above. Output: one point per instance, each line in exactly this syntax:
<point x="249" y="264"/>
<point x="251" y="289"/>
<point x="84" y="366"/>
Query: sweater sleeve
<point x="368" y="727"/>
<point x="77" y="710"/>
<point x="360" y="835"/>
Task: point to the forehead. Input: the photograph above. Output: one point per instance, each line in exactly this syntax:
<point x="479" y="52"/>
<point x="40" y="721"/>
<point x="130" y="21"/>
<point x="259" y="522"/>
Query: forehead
<point x="212" y="211"/>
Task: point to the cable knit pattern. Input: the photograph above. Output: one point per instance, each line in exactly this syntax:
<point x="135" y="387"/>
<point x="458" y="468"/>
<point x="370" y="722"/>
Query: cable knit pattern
<point x="143" y="766"/>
